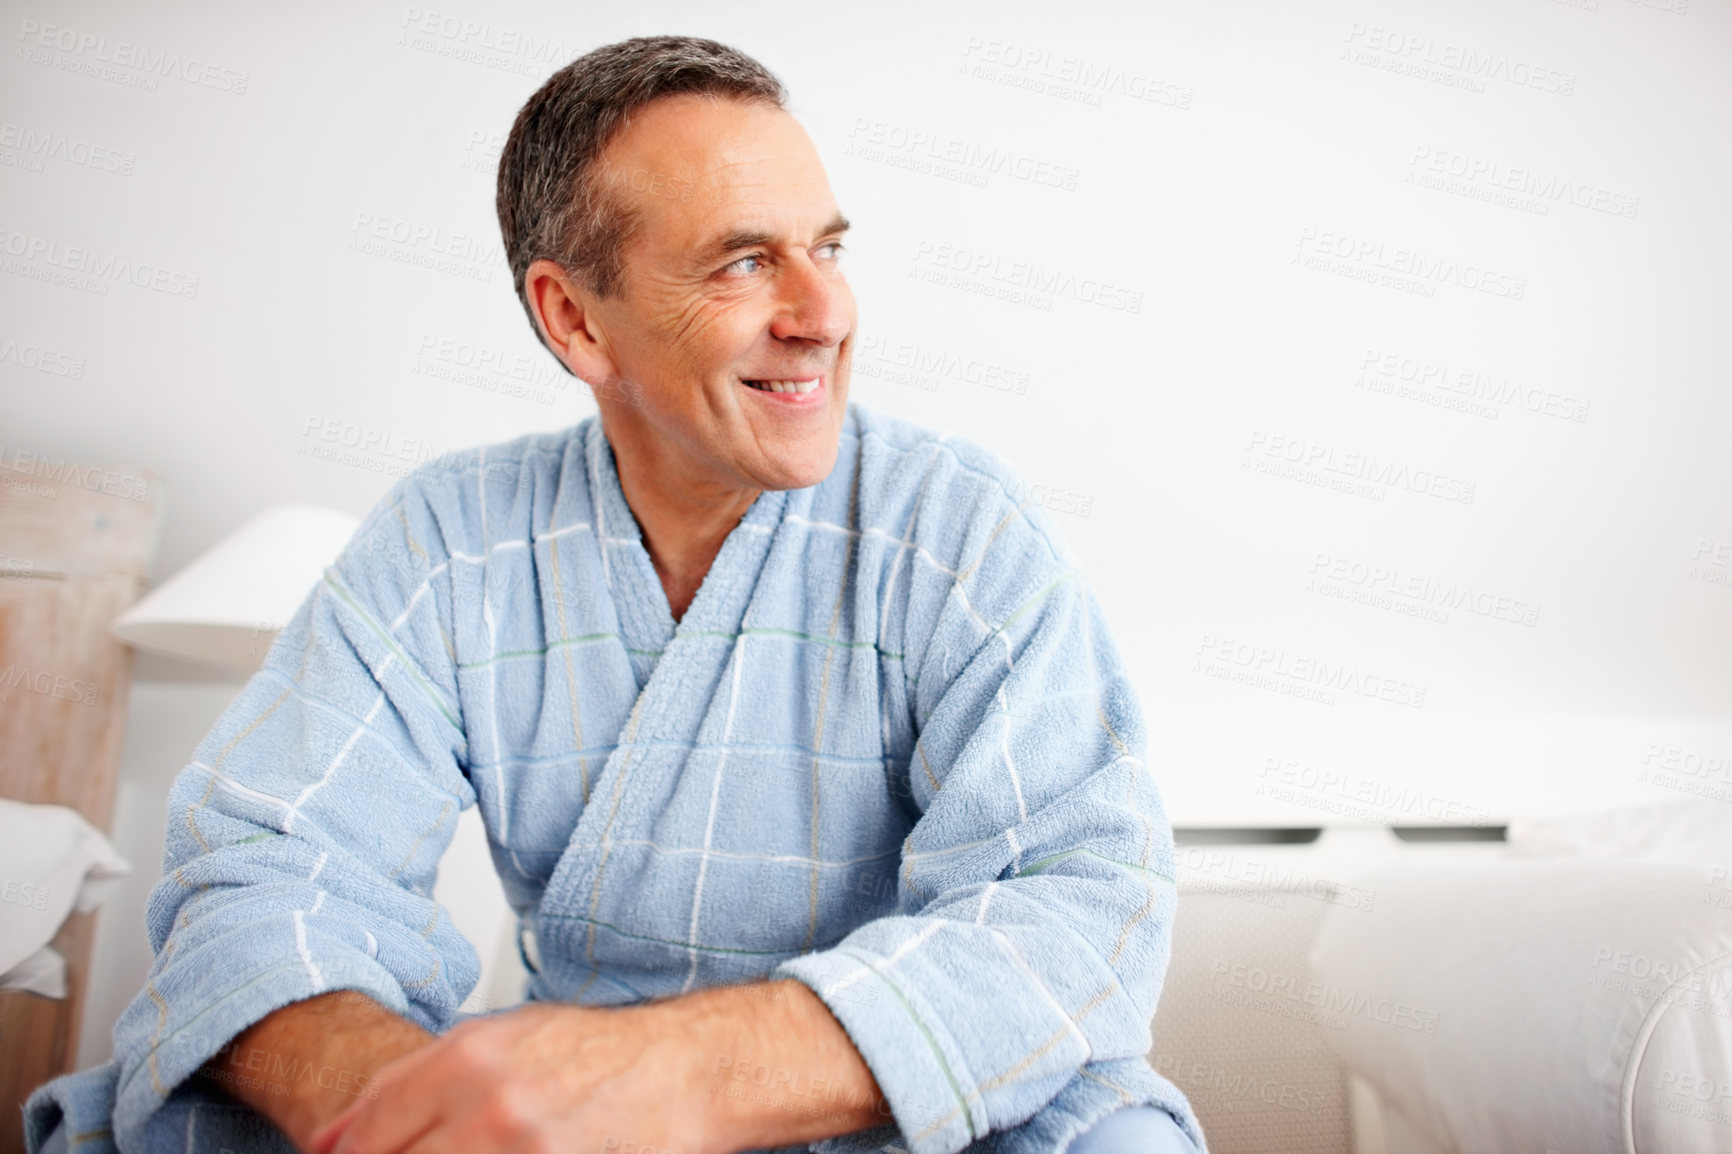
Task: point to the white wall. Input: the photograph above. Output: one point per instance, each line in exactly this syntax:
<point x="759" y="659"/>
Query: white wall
<point x="1217" y="150"/>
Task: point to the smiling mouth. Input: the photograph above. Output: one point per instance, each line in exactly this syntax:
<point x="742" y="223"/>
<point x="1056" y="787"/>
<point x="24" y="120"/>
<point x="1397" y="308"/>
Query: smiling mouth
<point x="787" y="386"/>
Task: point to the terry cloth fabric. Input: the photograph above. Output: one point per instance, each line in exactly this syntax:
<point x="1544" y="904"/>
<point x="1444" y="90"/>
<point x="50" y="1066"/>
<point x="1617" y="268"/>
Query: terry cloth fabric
<point x="889" y="751"/>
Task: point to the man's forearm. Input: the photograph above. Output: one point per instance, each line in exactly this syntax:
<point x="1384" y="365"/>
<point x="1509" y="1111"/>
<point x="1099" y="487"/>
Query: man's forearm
<point x="765" y="1064"/>
<point x="778" y="1067"/>
<point x="301" y="1065"/>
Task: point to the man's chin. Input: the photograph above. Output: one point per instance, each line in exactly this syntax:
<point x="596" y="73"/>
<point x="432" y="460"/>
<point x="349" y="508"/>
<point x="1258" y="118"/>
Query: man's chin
<point x="798" y="467"/>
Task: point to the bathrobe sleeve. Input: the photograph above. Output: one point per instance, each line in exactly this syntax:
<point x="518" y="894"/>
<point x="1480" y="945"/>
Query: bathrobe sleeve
<point x="304" y="837"/>
<point x="1036" y="895"/>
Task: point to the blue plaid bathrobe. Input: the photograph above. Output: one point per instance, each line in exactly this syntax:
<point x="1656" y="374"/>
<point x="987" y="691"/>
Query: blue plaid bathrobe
<point x="889" y="751"/>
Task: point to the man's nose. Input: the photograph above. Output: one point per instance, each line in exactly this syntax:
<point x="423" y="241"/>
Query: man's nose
<point x="816" y="305"/>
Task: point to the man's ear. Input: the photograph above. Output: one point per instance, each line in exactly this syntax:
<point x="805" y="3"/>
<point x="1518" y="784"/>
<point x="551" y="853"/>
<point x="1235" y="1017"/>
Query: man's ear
<point x="568" y="323"/>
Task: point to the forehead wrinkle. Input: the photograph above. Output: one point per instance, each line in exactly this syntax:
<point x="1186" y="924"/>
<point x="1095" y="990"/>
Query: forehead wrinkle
<point x="755" y="186"/>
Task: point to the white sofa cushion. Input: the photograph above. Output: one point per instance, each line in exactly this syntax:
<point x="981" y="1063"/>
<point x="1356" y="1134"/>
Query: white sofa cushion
<point x="1569" y="1004"/>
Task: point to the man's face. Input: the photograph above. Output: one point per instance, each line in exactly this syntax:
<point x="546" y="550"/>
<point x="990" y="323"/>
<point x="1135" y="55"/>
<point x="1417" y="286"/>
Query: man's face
<point x="732" y="282"/>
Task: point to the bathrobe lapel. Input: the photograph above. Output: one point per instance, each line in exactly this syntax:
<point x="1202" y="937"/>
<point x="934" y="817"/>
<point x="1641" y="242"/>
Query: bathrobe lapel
<point x="678" y="715"/>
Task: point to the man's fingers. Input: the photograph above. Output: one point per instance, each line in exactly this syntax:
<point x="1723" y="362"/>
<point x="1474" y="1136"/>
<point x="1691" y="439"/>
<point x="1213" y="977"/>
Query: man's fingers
<point x="404" y="1110"/>
<point x="326" y="1136"/>
<point x="469" y="1136"/>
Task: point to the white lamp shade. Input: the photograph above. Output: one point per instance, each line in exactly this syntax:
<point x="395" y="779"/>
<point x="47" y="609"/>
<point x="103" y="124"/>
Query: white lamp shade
<point x="230" y="603"/>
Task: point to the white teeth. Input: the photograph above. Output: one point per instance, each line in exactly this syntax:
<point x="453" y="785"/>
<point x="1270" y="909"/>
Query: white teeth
<point x="786" y="386"/>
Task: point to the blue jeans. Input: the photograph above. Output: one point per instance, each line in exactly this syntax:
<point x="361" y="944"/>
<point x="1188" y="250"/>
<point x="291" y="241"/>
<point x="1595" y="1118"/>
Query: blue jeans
<point x="1134" y="1130"/>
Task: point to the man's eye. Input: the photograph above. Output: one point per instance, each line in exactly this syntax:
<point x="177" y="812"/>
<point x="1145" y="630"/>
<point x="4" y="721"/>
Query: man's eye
<point x="831" y="249"/>
<point x="739" y="266"/>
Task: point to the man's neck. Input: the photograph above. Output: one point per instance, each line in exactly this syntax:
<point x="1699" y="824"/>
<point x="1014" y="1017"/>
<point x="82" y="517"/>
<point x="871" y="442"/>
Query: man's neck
<point x="684" y="519"/>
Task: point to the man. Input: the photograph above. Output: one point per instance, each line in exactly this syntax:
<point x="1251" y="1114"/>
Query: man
<point x="803" y="751"/>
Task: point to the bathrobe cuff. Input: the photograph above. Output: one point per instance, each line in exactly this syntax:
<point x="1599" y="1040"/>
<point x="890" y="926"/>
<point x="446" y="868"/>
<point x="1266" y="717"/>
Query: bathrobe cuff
<point x="80" y="1104"/>
<point x="917" y="1065"/>
<point x="241" y="977"/>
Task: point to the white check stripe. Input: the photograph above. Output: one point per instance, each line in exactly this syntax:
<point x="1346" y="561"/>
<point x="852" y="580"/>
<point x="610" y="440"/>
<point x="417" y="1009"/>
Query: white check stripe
<point x="505" y="546"/>
<point x="1040" y="987"/>
<point x="879" y="965"/>
<point x="314" y="974"/>
<point x="426" y="584"/>
<point x="342" y="754"/>
<point x="597" y="502"/>
<point x="496" y="748"/>
<point x="236" y="787"/>
<point x="739" y="662"/>
<point x="985" y="900"/>
<point x="1004" y="749"/>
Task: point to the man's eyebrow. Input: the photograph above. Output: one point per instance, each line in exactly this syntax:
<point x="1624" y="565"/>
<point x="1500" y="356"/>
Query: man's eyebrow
<point x="741" y="238"/>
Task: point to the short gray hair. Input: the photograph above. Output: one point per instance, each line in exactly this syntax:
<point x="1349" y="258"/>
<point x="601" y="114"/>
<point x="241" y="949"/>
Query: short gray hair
<point x="551" y="201"/>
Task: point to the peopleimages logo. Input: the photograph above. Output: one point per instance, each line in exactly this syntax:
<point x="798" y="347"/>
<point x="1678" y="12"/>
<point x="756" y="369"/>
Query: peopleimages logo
<point x="1200" y="865"/>
<point x="1334" y="1003"/>
<point x="31" y="897"/>
<point x="1336" y="576"/>
<point x="1544" y="187"/>
<point x="1461" y="388"/>
<point x="499" y="47"/>
<point x="38" y="146"/>
<point x="42" y="360"/>
<point x="89" y="268"/>
<point x="1360" y="798"/>
<point x="473" y="256"/>
<point x="1223" y="1083"/>
<point x="963" y="267"/>
<point x="888" y="143"/>
<point x="1417" y="52"/>
<point x="1363" y="256"/>
<point x="85" y="52"/>
<point x="485" y="34"/>
<point x="54" y="471"/>
<point x="1304" y="676"/>
<point x="927" y="365"/>
<point x="532" y="369"/>
<point x="1325" y="462"/>
<point x="47" y="683"/>
<point x="1068" y="77"/>
<point x="344" y="442"/>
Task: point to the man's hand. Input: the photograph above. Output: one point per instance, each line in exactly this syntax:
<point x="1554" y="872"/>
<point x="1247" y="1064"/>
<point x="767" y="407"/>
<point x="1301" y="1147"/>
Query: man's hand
<point x="601" y="1081"/>
<point x="545" y="1077"/>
